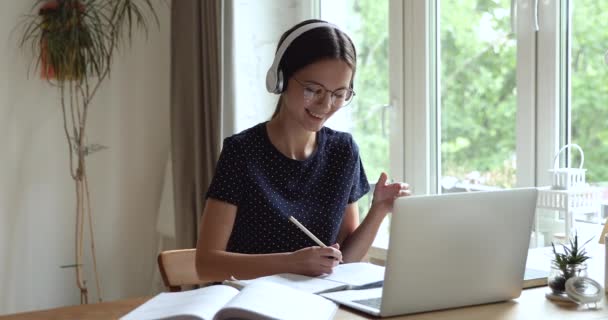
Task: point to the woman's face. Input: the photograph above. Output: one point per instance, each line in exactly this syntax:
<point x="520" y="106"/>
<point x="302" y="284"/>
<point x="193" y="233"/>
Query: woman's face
<point x="307" y="103"/>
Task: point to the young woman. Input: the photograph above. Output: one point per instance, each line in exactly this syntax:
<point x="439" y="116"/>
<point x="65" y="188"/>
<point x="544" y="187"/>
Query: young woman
<point x="293" y="166"/>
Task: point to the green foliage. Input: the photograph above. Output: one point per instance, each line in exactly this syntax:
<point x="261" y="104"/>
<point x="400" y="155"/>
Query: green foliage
<point x="369" y="109"/>
<point x="572" y="255"/>
<point x="589" y="81"/>
<point x="371" y="83"/>
<point x="478" y="99"/>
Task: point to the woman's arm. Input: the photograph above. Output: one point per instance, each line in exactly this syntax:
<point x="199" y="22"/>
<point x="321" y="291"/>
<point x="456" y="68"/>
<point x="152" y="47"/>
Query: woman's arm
<point x="357" y="239"/>
<point x="214" y="263"/>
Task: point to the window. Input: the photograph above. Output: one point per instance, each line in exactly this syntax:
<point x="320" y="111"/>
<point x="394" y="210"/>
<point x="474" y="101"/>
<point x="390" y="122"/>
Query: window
<point x="477" y="91"/>
<point x="481" y="93"/>
<point x="493" y="88"/>
<point x="586" y="121"/>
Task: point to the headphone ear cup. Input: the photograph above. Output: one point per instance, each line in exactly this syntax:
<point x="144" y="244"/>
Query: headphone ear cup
<point x="271" y="81"/>
<point x="274" y="76"/>
<point x="280" y="86"/>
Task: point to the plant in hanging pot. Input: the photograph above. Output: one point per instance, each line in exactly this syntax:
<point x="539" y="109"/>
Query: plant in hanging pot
<point x="567" y="264"/>
<point x="73" y="44"/>
<point x="59" y="20"/>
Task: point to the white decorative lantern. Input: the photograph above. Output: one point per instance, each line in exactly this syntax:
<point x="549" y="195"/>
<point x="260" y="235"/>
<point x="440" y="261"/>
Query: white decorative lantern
<point x="568" y="178"/>
<point x="568" y="196"/>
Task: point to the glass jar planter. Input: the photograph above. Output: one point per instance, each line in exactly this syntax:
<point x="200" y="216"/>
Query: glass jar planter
<point x="558" y="276"/>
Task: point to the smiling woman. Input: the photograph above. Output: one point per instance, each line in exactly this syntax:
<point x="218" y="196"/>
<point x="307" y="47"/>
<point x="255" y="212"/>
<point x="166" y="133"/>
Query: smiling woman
<point x="293" y="166"/>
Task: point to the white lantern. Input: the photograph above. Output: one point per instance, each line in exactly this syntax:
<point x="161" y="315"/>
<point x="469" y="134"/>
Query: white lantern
<point x="568" y="178"/>
<point x="568" y="196"/>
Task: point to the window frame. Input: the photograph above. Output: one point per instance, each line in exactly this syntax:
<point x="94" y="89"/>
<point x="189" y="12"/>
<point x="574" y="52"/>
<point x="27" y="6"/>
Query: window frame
<point x="414" y="84"/>
<point x="414" y="136"/>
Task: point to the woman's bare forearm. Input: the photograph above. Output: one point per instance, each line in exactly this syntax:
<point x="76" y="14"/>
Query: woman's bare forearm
<point x="219" y="265"/>
<point x="357" y="244"/>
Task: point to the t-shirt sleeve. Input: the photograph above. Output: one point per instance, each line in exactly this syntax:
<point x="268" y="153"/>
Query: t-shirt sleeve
<point x="360" y="185"/>
<point x="227" y="182"/>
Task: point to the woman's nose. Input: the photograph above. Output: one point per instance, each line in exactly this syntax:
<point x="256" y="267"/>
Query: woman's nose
<point x="325" y="101"/>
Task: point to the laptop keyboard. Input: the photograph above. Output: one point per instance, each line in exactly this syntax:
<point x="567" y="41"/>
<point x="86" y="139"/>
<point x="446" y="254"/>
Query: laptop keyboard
<point x="372" y="302"/>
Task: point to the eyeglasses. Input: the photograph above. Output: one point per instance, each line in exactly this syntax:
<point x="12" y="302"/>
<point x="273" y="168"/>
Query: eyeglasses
<point x="315" y="92"/>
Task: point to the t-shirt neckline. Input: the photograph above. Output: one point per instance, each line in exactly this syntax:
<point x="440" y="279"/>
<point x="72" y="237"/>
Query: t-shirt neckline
<point x="313" y="155"/>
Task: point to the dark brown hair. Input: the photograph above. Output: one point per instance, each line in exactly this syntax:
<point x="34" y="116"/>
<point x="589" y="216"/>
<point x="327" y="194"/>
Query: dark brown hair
<point x="312" y="46"/>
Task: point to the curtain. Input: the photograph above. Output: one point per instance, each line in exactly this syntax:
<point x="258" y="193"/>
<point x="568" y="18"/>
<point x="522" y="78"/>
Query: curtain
<point x="196" y="104"/>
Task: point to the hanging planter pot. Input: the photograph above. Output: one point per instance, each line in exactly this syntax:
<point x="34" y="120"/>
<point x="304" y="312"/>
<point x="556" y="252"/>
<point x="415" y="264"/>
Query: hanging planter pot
<point x="63" y="41"/>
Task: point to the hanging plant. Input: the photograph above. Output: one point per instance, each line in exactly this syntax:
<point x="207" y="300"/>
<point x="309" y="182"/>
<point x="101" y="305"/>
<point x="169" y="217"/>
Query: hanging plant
<point x="74" y="42"/>
<point x="63" y="29"/>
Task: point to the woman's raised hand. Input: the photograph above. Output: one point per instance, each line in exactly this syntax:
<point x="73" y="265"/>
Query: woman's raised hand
<point x="386" y="193"/>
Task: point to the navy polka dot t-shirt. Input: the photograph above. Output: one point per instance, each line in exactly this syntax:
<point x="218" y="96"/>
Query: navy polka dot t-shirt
<point x="267" y="187"/>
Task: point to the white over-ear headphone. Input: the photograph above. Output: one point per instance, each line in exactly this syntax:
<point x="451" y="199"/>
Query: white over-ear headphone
<point x="274" y="76"/>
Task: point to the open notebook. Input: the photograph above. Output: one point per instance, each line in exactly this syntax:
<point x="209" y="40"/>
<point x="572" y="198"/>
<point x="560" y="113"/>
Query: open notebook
<point x="258" y="301"/>
<point x="347" y="276"/>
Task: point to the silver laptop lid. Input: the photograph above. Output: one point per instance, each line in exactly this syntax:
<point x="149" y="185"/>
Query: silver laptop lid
<point x="456" y="250"/>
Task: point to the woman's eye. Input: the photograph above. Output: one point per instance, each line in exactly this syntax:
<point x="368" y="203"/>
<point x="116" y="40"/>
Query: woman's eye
<point x="309" y="90"/>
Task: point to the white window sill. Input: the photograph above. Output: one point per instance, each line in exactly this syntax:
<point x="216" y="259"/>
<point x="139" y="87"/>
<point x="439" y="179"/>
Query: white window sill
<point x="538" y="258"/>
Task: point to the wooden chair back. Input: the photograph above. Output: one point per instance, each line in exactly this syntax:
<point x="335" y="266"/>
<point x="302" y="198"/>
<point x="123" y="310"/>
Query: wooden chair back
<point x="177" y="268"/>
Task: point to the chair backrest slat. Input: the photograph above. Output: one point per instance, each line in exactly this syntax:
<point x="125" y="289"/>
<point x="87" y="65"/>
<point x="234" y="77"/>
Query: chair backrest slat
<point x="178" y="268"/>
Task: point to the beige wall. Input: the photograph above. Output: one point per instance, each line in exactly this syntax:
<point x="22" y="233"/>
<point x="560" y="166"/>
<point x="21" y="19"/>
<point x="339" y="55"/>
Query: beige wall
<point x="130" y="115"/>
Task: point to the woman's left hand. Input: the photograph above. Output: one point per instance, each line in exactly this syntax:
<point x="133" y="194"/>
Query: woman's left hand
<point x="385" y="194"/>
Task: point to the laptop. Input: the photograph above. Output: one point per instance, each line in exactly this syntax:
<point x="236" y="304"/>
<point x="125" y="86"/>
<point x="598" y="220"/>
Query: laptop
<point x="451" y="250"/>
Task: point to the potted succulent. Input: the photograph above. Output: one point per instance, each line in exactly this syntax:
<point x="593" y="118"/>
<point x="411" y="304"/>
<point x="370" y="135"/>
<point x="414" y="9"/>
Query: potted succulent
<point x="73" y="44"/>
<point x="567" y="264"/>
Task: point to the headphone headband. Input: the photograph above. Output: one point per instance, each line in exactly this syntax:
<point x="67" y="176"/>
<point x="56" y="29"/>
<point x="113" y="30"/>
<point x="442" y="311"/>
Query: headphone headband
<point x="274" y="76"/>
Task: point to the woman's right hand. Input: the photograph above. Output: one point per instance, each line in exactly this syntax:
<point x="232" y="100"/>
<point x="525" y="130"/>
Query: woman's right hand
<point x="315" y="261"/>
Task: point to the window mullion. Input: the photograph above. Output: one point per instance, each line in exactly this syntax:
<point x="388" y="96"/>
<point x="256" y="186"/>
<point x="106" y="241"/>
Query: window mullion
<point x="547" y="84"/>
<point x="413" y="98"/>
<point x="526" y="130"/>
<point x="397" y="38"/>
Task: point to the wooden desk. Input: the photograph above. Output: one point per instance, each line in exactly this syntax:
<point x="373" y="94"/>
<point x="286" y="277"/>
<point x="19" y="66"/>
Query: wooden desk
<point x="532" y="304"/>
<point x="95" y="311"/>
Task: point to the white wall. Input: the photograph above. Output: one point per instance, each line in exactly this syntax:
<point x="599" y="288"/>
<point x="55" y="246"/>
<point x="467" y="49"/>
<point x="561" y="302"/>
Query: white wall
<point x="256" y="30"/>
<point x="130" y="115"/>
<point x="258" y="25"/>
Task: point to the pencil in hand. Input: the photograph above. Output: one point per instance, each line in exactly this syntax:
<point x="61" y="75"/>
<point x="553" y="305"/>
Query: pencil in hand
<point x="308" y="233"/>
